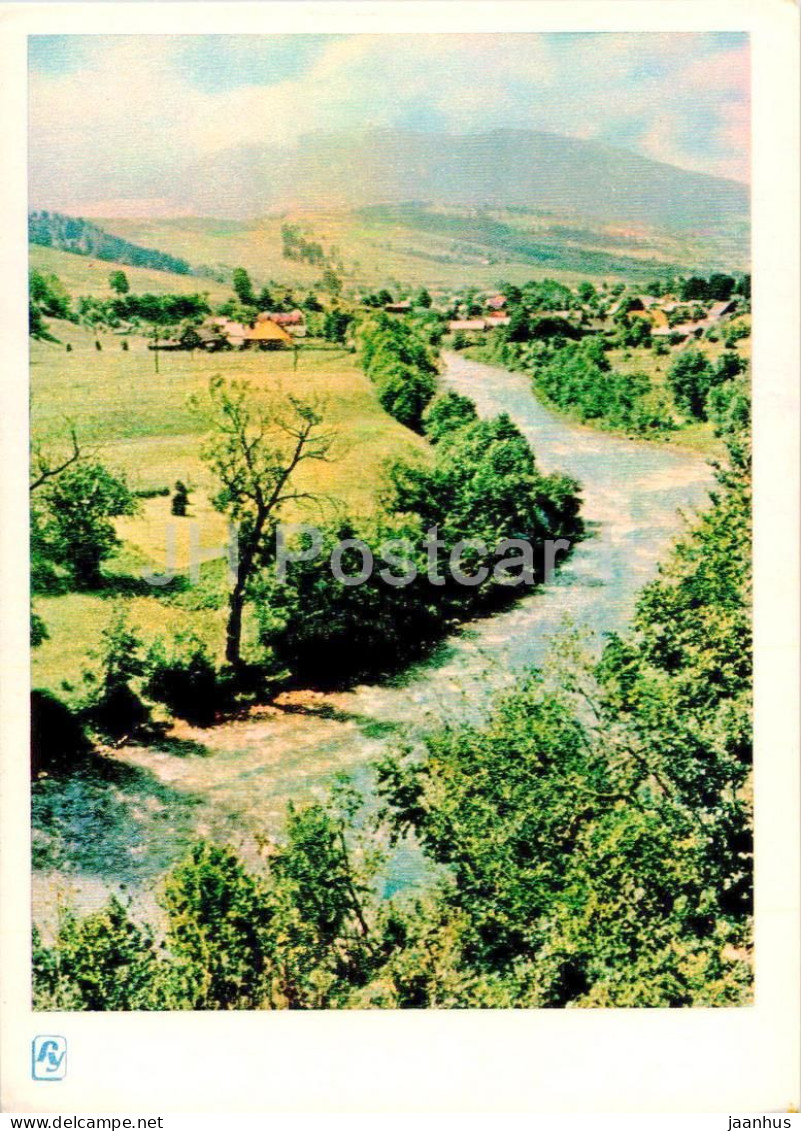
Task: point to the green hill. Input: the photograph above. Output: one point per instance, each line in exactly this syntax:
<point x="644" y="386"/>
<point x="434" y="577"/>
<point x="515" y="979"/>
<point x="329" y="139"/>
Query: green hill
<point x="84" y="275"/>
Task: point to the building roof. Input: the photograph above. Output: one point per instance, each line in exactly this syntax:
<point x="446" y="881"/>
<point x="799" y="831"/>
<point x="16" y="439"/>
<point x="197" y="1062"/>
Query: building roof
<point x="497" y="302"/>
<point x="281" y="318"/>
<point x="467" y="324"/>
<point x="266" y="332"/>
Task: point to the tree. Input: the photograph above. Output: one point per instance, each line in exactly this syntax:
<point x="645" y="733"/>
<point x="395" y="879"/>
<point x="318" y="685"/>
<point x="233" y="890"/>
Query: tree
<point x="44" y="467"/>
<point x="423" y="299"/>
<point x="243" y="288"/>
<point x="265" y="299"/>
<point x="690" y="378"/>
<point x="75" y="522"/>
<point x="254" y="455"/>
<point x="118" y="281"/>
<point x="331" y="282"/>
<point x="180" y="499"/>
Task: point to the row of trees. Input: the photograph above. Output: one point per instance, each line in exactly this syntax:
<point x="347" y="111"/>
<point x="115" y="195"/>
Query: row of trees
<point x="590" y="842"/>
<point x="399" y="360"/>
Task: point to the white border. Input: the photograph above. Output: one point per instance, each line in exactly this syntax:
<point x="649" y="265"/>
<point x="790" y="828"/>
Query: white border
<point x="470" y="1061"/>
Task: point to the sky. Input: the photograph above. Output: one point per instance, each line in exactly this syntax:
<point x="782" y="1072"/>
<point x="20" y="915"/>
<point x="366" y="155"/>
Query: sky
<point x="116" y="120"/>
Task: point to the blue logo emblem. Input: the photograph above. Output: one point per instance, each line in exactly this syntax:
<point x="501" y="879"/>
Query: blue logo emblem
<point x="49" y="1058"/>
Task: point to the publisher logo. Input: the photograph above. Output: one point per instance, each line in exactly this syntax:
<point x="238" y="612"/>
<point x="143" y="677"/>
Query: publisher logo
<point x="49" y="1058"/>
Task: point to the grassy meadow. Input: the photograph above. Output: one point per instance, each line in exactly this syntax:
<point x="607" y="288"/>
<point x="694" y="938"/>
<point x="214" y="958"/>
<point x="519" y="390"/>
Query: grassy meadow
<point x="86" y="275"/>
<point x="434" y="247"/>
<point x="140" y="422"/>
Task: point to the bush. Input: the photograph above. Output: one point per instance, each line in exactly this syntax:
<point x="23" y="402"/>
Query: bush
<point x="112" y="706"/>
<point x="180" y="499"/>
<point x="58" y="740"/>
<point x="447" y="412"/>
<point x="103" y="961"/>
<point x="186" y="681"/>
<point x="216" y="926"/>
<point x="152" y="492"/>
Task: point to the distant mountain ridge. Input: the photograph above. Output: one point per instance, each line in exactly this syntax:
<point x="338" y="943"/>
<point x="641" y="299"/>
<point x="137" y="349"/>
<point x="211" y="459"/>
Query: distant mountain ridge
<point x="504" y="167"/>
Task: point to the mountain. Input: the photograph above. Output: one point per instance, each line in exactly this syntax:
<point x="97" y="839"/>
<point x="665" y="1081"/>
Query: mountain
<point x="499" y="169"/>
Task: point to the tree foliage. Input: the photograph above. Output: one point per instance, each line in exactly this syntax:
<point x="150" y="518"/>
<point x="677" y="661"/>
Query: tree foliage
<point x="400" y="362"/>
<point x="72" y="519"/>
<point x="254" y="454"/>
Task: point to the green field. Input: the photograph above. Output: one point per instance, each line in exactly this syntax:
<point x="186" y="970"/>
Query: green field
<point x="85" y="275"/>
<point x="139" y="422"/>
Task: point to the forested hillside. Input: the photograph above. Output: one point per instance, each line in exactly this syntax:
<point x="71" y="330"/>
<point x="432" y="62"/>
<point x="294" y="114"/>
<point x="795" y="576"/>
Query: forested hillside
<point x="68" y="233"/>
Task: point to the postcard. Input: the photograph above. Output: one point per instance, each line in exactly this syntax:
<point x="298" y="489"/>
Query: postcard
<point x="400" y="643"/>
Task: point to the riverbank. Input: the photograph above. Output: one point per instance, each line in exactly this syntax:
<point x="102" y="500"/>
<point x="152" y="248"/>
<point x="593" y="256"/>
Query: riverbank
<point x="121" y="828"/>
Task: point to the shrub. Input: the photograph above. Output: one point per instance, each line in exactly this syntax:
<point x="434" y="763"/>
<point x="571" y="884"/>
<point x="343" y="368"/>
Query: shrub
<point x="112" y="705"/>
<point x="58" y="740"/>
<point x="186" y="681"/>
<point x="103" y="961"/>
<point x="180" y="499"/>
<point x="447" y="412"/>
<point x="216" y="926"/>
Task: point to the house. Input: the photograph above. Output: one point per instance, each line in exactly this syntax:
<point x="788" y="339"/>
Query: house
<point x="466" y="324"/>
<point x="267" y="335"/>
<point x="398" y="307"/>
<point x="282" y="318"/>
<point x="496" y="318"/>
<point x="293" y="321"/>
<point x="207" y="337"/>
<point x="233" y="332"/>
<point x="496" y="302"/>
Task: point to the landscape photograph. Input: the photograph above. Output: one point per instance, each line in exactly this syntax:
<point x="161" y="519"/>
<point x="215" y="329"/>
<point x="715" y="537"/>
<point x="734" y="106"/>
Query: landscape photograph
<point x="390" y="521"/>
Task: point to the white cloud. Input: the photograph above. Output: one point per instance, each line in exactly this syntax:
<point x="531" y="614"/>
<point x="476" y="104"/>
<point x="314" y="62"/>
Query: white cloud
<point x="125" y="122"/>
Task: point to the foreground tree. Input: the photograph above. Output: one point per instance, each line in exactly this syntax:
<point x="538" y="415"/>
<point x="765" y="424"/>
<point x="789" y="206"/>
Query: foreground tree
<point x="255" y="454"/>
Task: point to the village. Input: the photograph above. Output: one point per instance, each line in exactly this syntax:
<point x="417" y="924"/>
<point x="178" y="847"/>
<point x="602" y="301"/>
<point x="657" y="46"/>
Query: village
<point x="469" y="314"/>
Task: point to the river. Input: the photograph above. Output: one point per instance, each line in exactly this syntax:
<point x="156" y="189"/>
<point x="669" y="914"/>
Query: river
<point x="234" y="781"/>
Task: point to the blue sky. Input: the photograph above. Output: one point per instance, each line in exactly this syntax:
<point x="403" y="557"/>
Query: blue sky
<point x="148" y="107"/>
